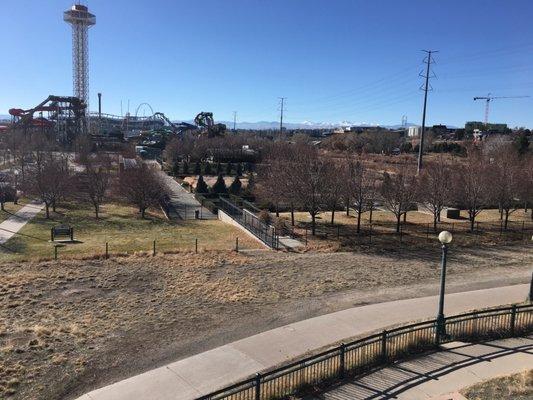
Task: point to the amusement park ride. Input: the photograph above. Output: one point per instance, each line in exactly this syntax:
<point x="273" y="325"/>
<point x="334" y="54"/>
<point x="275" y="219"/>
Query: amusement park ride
<point x="66" y="117"/>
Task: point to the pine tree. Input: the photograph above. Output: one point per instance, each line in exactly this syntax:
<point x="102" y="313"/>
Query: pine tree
<point x="235" y="187"/>
<point x="229" y="168"/>
<point x="201" y="186"/>
<point x="219" y="168"/>
<point x="197" y="169"/>
<point x="207" y="169"/>
<point x="185" y="166"/>
<point x="220" y="186"/>
<point x="239" y="169"/>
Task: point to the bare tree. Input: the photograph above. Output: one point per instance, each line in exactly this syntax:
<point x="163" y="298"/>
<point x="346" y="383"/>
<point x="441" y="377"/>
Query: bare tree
<point x="471" y="185"/>
<point x="333" y="186"/>
<point x="50" y="180"/>
<point x="506" y="179"/>
<point x="143" y="187"/>
<point x="93" y="182"/>
<point x="398" y="191"/>
<point x="435" y="187"/>
<point x="362" y="185"/>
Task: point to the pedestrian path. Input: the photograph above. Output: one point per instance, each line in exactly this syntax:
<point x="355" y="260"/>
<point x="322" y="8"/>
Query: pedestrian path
<point x="13" y="224"/>
<point x="439" y="375"/>
<point x="212" y="370"/>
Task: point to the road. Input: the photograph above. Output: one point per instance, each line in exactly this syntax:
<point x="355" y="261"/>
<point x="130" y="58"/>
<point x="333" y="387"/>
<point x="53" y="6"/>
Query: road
<point x="205" y="372"/>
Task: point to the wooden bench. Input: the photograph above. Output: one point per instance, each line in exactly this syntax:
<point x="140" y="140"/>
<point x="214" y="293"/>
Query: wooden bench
<point x="62" y="230"/>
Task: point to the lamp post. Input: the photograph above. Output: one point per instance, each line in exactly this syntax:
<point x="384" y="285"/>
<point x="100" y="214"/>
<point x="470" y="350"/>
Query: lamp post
<point x="445" y="238"/>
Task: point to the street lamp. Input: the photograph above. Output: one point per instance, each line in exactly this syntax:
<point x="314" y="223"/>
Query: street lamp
<point x="445" y="238"/>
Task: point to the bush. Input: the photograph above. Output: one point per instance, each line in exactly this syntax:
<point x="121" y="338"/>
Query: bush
<point x="220" y="186"/>
<point x="265" y="217"/>
<point x="207" y="169"/>
<point x="201" y="186"/>
<point x="197" y="169"/>
<point x="235" y="187"/>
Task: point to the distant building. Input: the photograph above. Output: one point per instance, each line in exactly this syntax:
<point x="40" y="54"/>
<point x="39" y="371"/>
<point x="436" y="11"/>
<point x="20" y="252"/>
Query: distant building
<point x="414" y="131"/>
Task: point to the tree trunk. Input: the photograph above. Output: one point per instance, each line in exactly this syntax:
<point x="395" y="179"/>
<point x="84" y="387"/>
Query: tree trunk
<point x="506" y="219"/>
<point x="472" y="222"/>
<point x="435" y="223"/>
<point x="358" y="221"/>
<point x="313" y="224"/>
<point x="398" y="219"/>
<point x="347" y="209"/>
<point x="54" y="206"/>
<point x="405" y="216"/>
<point x="277" y="210"/>
<point x="96" y="207"/>
<point x="370" y="217"/>
<point x="47" y="209"/>
<point x="143" y="212"/>
<point x="333" y="216"/>
<point x="501" y="213"/>
<point x="292" y="215"/>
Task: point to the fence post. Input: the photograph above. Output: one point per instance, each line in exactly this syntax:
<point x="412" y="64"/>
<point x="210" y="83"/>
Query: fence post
<point x="51" y="234"/>
<point x="384" y="356"/>
<point x="106" y="250"/>
<point x="513" y="319"/>
<point x="531" y="289"/>
<point x="342" y="354"/>
<point x="257" y="386"/>
<point x="153" y="249"/>
<point x="237" y="244"/>
<point x="196" y="245"/>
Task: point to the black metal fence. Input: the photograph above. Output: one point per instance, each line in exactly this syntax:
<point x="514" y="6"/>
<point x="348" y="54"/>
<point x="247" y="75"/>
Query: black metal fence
<point x="365" y="354"/>
<point x="264" y="232"/>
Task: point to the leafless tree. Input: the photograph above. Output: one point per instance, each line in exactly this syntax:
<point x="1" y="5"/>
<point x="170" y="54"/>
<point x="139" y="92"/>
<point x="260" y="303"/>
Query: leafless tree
<point x="143" y="187"/>
<point x="362" y="185"/>
<point x="506" y="179"/>
<point x="50" y="180"/>
<point x="93" y="182"/>
<point x="435" y="187"/>
<point x="398" y="191"/>
<point x="333" y="186"/>
<point x="471" y="185"/>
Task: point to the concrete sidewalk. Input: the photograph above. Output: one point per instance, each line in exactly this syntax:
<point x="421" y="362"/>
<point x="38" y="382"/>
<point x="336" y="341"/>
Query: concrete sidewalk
<point x="439" y="375"/>
<point x="13" y="224"/>
<point x="222" y="366"/>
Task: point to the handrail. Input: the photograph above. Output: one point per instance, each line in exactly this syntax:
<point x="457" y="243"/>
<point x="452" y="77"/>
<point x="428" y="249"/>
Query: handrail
<point x="378" y="349"/>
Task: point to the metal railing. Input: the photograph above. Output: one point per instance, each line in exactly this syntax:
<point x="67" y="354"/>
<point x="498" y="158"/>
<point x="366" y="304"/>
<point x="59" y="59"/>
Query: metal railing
<point x="365" y="354"/>
<point x="264" y="232"/>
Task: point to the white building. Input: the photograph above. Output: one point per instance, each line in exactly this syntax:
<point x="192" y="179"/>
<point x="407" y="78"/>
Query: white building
<point x="414" y="131"/>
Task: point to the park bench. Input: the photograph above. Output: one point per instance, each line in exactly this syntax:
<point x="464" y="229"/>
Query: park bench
<point x="62" y="230"/>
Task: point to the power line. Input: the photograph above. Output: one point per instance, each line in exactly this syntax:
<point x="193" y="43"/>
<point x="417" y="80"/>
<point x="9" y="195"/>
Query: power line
<point x="428" y="62"/>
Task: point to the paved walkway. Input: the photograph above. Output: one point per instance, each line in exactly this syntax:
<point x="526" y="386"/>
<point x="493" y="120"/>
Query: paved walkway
<point x="206" y="372"/>
<point x="13" y="224"/>
<point x="440" y="375"/>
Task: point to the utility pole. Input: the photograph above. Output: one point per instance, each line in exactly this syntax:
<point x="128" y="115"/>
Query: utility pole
<point x="234" y="121"/>
<point x="282" y="102"/>
<point x="426" y="89"/>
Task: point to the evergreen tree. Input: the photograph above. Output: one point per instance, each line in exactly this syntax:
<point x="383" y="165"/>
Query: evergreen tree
<point x="197" y="169"/>
<point x="235" y="187"/>
<point x="176" y="168"/>
<point x="251" y="184"/>
<point x="220" y="186"/>
<point x="207" y="169"/>
<point x="229" y="168"/>
<point x="185" y="166"/>
<point x="219" y="168"/>
<point x="201" y="186"/>
<point x="239" y="169"/>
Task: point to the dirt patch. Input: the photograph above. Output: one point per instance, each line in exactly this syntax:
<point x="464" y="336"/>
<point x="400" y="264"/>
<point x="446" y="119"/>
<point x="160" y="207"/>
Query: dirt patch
<point x="514" y="387"/>
<point x="84" y="324"/>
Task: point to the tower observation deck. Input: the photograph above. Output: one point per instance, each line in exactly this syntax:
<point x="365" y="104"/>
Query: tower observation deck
<point x="81" y="20"/>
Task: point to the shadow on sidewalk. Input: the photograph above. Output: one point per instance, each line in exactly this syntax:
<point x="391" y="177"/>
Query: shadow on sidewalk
<point x="388" y="382"/>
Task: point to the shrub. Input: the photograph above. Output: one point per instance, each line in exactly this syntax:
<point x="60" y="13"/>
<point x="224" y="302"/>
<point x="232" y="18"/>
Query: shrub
<point x="265" y="217"/>
<point x="201" y="186"/>
<point x="235" y="187"/>
<point x="220" y="186"/>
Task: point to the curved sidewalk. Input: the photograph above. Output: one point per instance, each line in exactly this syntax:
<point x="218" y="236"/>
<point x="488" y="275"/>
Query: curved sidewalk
<point x="206" y="372"/>
<point x="439" y="375"/>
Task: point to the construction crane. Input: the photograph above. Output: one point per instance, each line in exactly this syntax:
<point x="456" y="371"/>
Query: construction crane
<point x="488" y="98"/>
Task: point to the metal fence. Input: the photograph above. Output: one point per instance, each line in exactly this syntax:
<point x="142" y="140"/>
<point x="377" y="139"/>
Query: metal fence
<point x="264" y="232"/>
<point x="365" y="354"/>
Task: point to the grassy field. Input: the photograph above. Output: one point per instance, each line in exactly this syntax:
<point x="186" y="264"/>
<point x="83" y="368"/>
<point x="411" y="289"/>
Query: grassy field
<point x="515" y="387"/>
<point x="10" y="209"/>
<point x="124" y="231"/>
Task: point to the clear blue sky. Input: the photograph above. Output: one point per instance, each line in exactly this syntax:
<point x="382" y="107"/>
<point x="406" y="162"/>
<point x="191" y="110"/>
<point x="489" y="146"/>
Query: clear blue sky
<point x="355" y="60"/>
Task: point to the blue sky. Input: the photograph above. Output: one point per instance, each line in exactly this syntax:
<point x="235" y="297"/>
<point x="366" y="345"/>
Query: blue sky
<point x="334" y="60"/>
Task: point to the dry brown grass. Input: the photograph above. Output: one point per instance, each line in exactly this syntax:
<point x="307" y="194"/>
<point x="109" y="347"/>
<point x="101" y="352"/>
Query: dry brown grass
<point x="515" y="387"/>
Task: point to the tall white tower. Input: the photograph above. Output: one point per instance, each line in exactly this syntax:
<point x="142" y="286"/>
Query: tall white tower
<point x="81" y="20"/>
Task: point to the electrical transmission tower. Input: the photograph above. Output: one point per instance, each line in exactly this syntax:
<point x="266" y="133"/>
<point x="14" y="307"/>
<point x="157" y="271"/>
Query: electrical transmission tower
<point x="81" y="20"/>
<point x="426" y="87"/>
<point x="488" y="98"/>
<point x="234" y="121"/>
<point x="282" y="103"/>
<point x="404" y="120"/>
